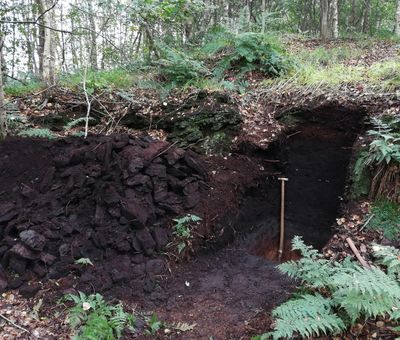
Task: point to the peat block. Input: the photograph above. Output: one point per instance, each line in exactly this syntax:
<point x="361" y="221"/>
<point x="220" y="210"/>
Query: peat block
<point x="106" y="198"/>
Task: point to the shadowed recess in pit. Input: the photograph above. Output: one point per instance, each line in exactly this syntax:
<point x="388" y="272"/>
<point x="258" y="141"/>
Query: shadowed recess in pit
<point x="315" y="156"/>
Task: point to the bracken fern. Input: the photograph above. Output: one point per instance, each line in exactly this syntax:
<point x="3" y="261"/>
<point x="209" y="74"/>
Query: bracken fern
<point x="337" y="294"/>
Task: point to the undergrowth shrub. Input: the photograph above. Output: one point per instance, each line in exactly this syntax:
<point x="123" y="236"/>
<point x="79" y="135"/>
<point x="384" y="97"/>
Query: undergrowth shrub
<point x="247" y="52"/>
<point x="92" y="318"/>
<point x="336" y="295"/>
<point x="178" y="67"/>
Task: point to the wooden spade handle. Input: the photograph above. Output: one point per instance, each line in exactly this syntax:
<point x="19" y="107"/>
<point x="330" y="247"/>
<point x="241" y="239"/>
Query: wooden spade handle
<point x="282" y="226"/>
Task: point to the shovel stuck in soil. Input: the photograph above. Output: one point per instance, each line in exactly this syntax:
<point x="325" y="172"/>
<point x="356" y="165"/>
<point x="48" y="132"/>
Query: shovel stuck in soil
<point x="282" y="228"/>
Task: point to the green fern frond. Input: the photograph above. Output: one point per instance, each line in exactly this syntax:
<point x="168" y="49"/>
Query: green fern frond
<point x="39" y="133"/>
<point x="389" y="257"/>
<point x="93" y="318"/>
<point x="365" y="292"/>
<point x="311" y="268"/>
<point x="78" y="121"/>
<point x="306" y="316"/>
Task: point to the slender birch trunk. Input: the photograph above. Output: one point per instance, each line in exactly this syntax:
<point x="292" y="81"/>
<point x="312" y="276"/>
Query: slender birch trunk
<point x="397" y="30"/>
<point x="3" y="114"/>
<point x="335" y="19"/>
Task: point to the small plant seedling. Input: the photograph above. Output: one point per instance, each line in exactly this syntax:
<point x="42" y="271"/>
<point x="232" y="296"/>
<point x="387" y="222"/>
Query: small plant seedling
<point x="154" y="325"/>
<point x="183" y="230"/>
<point x="84" y="261"/>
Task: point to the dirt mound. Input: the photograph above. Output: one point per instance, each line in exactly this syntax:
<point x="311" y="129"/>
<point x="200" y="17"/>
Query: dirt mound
<point x="108" y="199"/>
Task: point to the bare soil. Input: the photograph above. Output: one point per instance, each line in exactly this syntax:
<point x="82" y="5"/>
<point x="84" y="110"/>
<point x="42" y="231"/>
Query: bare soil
<point x="111" y="199"/>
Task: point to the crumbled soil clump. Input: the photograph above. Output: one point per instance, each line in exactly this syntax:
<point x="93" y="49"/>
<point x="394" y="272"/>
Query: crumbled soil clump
<point x="108" y="199"/>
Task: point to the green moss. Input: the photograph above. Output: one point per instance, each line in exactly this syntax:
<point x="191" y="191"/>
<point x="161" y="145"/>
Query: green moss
<point x="211" y="132"/>
<point x="386" y="218"/>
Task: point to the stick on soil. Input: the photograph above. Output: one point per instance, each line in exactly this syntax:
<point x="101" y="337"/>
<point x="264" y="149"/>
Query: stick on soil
<point x="357" y="253"/>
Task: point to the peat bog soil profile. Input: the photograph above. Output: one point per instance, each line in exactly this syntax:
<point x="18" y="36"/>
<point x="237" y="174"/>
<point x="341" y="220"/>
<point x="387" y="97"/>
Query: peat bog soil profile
<point x="315" y="155"/>
<point x="110" y="199"/>
<point x="234" y="280"/>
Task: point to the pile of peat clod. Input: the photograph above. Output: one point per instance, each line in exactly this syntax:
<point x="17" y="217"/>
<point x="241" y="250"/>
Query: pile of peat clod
<point x="107" y="198"/>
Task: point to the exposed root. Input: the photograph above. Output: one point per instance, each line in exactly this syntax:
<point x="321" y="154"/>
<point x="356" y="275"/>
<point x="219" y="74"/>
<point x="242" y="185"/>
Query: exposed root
<point x="386" y="183"/>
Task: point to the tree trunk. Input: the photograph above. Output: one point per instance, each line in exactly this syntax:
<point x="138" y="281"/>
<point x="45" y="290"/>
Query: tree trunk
<point x="324" y="27"/>
<point x="48" y="75"/>
<point x="3" y="115"/>
<point x="263" y="13"/>
<point x="335" y="19"/>
<point x="397" y="30"/>
<point x="93" y="42"/>
<point x="40" y="46"/>
<point x="366" y="17"/>
<point x="353" y="14"/>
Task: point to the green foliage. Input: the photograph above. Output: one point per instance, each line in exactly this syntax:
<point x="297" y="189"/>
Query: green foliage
<point x="247" y="52"/>
<point x="93" y="319"/>
<point x="308" y="315"/>
<point x="39" y="133"/>
<point x="17" y="89"/>
<point x="386" y="218"/>
<point x="336" y="294"/>
<point x="388" y="257"/>
<point x="365" y="293"/>
<point x="153" y="325"/>
<point x="84" y="261"/>
<point x="361" y="177"/>
<point x="98" y="80"/>
<point x="386" y="144"/>
<point x="323" y="56"/>
<point x="179" y="68"/>
<point x="77" y="122"/>
<point x="183" y="230"/>
<point x="383" y="149"/>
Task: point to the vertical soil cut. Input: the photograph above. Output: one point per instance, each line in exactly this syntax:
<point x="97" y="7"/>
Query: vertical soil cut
<point x="315" y="156"/>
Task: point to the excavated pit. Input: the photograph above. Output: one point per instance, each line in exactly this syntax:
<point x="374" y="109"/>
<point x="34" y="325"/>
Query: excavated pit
<point x="315" y="157"/>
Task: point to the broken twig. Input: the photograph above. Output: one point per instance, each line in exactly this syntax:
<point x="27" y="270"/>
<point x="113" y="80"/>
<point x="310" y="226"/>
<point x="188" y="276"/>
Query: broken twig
<point x="14" y="324"/>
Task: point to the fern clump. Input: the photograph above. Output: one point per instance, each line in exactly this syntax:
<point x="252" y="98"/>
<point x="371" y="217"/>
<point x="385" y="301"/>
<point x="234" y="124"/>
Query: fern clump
<point x="307" y="315"/>
<point x="247" y="52"/>
<point x="179" y="68"/>
<point x="40" y="133"/>
<point x="337" y="294"/>
<point x="377" y="166"/>
<point x="92" y="318"/>
<point x="78" y="122"/>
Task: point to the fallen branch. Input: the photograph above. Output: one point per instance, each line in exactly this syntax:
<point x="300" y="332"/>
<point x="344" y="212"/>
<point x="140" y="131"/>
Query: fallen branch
<point x="14" y="324"/>
<point x="357" y="253"/>
<point x="366" y="223"/>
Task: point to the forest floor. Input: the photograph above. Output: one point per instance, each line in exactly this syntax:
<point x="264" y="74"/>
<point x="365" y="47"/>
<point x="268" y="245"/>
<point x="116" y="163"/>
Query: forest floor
<point x="226" y="285"/>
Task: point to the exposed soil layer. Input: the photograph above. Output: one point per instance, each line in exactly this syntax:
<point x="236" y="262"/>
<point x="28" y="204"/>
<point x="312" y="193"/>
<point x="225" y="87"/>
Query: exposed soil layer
<point x="315" y="157"/>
